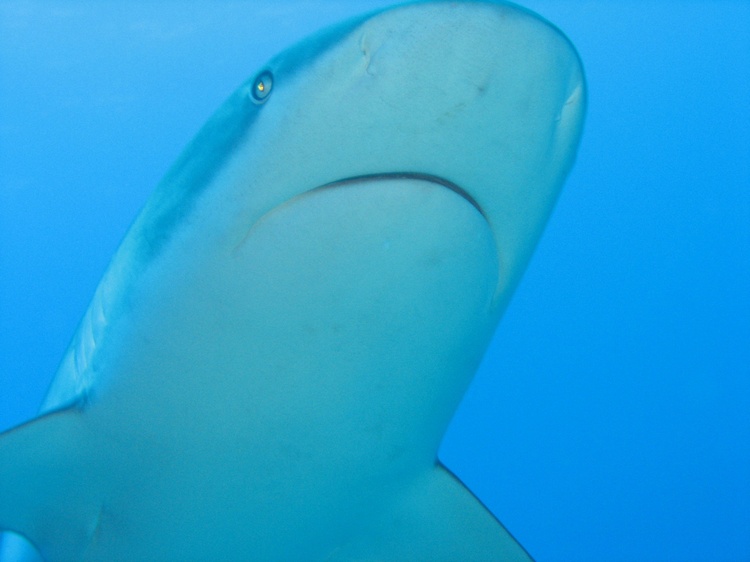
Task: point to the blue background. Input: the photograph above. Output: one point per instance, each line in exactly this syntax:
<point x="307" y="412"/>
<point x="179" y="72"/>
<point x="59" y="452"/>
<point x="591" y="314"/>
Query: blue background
<point x="610" y="418"/>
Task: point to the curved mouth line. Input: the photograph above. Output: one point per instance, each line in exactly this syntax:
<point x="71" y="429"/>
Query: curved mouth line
<point x="409" y="176"/>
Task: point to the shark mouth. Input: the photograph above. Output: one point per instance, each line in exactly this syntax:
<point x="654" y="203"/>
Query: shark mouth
<point x="407" y="176"/>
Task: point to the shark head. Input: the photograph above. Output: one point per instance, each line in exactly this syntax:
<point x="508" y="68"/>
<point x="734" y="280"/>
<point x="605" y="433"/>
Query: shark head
<point x="274" y="353"/>
<point x="477" y="96"/>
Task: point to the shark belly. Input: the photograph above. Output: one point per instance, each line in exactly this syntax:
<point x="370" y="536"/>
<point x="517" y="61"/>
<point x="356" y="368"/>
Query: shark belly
<point x="335" y="322"/>
<point x="345" y="306"/>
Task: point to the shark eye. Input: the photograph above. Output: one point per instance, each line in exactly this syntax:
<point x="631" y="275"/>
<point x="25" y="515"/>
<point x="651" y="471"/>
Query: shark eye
<point x="262" y="86"/>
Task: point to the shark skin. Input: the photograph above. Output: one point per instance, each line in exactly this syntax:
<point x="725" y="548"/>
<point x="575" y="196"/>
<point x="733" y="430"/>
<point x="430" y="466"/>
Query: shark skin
<point x="268" y="366"/>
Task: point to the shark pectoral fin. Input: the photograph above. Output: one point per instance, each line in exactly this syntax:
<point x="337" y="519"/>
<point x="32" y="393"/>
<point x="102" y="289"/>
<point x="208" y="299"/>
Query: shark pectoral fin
<point x="435" y="519"/>
<point x="449" y="523"/>
<point x="45" y="494"/>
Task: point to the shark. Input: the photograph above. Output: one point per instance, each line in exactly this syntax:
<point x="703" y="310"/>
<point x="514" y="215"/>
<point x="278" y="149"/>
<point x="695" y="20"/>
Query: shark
<point x="271" y="359"/>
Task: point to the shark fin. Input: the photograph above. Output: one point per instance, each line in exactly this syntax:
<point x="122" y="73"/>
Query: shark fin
<point x="437" y="520"/>
<point x="45" y="495"/>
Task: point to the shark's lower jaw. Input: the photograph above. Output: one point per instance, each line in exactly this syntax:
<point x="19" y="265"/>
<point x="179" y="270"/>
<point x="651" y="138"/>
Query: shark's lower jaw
<point x="345" y="329"/>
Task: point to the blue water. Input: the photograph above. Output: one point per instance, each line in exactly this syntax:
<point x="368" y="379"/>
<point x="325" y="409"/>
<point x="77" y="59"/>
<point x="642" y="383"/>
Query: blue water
<point x="610" y="419"/>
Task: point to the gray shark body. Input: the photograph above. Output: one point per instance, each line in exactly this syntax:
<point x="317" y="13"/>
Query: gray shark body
<point x="268" y="366"/>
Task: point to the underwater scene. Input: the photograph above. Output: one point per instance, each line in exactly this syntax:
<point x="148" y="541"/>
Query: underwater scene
<point x="608" y="418"/>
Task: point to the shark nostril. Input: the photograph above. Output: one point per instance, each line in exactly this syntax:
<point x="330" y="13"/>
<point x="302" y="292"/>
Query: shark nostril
<point x="367" y="52"/>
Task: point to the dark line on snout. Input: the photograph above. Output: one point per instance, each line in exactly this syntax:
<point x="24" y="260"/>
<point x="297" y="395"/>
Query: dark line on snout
<point x="408" y="176"/>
